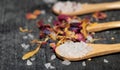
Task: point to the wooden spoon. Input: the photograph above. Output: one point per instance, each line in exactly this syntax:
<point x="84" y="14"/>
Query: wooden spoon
<point x="98" y="50"/>
<point x="88" y="8"/>
<point x="102" y="26"/>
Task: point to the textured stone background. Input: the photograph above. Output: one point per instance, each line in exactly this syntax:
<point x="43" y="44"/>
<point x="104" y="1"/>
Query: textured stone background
<point x="12" y="16"/>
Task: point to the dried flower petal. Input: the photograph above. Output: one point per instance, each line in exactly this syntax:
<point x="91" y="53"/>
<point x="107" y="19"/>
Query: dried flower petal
<point x="31" y="53"/>
<point x="80" y="37"/>
<point x="55" y="23"/>
<point x="99" y="15"/>
<point x="37" y="12"/>
<point x="63" y="17"/>
<point x="30" y="16"/>
<point x="23" y="30"/>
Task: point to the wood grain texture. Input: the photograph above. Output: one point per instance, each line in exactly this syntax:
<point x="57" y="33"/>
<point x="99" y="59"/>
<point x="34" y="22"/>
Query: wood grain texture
<point x="12" y="16"/>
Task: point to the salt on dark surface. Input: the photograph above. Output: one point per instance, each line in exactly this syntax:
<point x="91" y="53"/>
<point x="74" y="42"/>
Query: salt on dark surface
<point x="10" y="37"/>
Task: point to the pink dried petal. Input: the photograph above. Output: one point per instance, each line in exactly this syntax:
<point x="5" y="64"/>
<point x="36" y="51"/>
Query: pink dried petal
<point x="63" y="17"/>
<point x="80" y="37"/>
<point x="56" y="23"/>
<point x="40" y="23"/>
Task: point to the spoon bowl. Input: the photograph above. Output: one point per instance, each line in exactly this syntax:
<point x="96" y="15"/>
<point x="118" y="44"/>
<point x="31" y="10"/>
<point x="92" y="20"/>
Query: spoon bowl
<point x="97" y="50"/>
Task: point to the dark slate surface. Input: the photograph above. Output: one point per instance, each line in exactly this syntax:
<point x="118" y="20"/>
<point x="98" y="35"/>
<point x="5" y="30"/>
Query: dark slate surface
<point x="12" y="16"/>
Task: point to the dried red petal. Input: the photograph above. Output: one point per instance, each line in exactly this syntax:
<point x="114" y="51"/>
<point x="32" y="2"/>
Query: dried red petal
<point x="63" y="17"/>
<point x="37" y="12"/>
<point x="56" y="23"/>
<point x="99" y="15"/>
<point x="30" y="16"/>
<point x="41" y="35"/>
<point x="53" y="45"/>
<point x="40" y="23"/>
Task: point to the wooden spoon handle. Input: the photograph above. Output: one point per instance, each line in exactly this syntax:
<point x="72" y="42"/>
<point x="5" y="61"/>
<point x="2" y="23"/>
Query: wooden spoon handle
<point x="102" y="49"/>
<point x="103" y="26"/>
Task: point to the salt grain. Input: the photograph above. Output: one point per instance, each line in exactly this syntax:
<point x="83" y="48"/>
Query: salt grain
<point x="83" y="63"/>
<point x="32" y="59"/>
<point x="105" y="61"/>
<point x="31" y="36"/>
<point x="52" y="67"/>
<point x="112" y="38"/>
<point x="66" y="62"/>
<point x="43" y="12"/>
<point x="53" y="57"/>
<point x="29" y="62"/>
<point x="69" y="49"/>
<point x="25" y="46"/>
<point x="25" y="37"/>
<point x="48" y="65"/>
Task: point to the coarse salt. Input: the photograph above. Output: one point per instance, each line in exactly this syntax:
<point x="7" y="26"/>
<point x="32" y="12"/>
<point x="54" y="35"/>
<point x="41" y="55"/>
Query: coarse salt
<point x="74" y="49"/>
<point x="66" y="62"/>
<point x="25" y="37"/>
<point x="83" y="63"/>
<point x="25" y="46"/>
<point x="31" y="36"/>
<point x="105" y="61"/>
<point x="67" y="6"/>
<point x="29" y="62"/>
<point x="48" y="65"/>
<point x="32" y="59"/>
<point x="43" y="12"/>
<point x="53" y="57"/>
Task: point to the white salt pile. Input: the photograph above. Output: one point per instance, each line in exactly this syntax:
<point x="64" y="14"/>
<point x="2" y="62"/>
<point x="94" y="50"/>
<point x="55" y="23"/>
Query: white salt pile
<point x="67" y="6"/>
<point x="73" y="50"/>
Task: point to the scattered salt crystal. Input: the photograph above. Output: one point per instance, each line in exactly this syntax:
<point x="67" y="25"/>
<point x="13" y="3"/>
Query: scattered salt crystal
<point x="52" y="67"/>
<point x="105" y="61"/>
<point x="112" y="38"/>
<point x="43" y="12"/>
<point x="69" y="49"/>
<point x="31" y="36"/>
<point x="25" y="37"/>
<point x="49" y="20"/>
<point x="66" y="62"/>
<point x="48" y="65"/>
<point x="53" y="57"/>
<point x="89" y="59"/>
<point x="83" y="63"/>
<point x="32" y="59"/>
<point x="25" y="46"/>
<point x="29" y="62"/>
